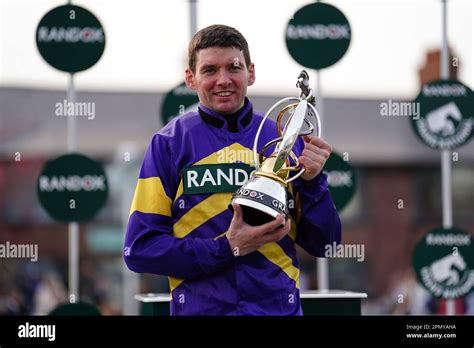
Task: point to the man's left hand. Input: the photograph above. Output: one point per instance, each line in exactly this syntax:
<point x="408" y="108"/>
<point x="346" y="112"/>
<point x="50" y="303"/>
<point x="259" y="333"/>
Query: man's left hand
<point x="314" y="156"/>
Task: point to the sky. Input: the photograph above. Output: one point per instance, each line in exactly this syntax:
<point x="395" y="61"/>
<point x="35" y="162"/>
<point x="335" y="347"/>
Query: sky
<point x="147" y="44"/>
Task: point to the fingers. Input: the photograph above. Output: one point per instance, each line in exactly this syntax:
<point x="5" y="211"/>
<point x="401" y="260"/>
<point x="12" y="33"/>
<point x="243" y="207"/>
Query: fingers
<point x="272" y="225"/>
<point x="312" y="165"/>
<point x="319" y="142"/>
<point x="237" y="212"/>
<point x="307" y="162"/>
<point x="310" y="149"/>
<point x="278" y="234"/>
<point x="314" y="155"/>
<point x="312" y="161"/>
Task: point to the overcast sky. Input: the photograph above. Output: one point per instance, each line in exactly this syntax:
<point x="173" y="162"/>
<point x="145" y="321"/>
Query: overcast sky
<point x="147" y="41"/>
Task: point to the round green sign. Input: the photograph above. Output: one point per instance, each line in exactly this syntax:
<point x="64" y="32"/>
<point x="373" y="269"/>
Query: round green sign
<point x="318" y="35"/>
<point x="444" y="262"/>
<point x="341" y="179"/>
<point x="72" y="187"/>
<point x="70" y="38"/>
<point x="446" y="114"/>
<point x="178" y="101"/>
<point x="73" y="309"/>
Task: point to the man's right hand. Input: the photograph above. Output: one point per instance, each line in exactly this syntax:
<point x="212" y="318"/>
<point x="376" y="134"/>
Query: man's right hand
<point x="244" y="239"/>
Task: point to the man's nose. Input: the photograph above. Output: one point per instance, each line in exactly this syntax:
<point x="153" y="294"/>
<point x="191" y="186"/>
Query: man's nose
<point x="223" y="78"/>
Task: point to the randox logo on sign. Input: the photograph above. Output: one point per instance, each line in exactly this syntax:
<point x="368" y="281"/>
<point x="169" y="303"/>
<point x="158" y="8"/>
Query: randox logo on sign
<point x="70" y="38"/>
<point x="318" y="35"/>
<point x="444" y="263"/>
<point x="212" y="178"/>
<point x="341" y="179"/>
<point x="178" y="101"/>
<point x="72" y="188"/>
<point x="446" y="114"/>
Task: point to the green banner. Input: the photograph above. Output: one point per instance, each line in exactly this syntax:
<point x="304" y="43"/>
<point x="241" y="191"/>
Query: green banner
<point x="75" y="309"/>
<point x="212" y="178"/>
<point x="318" y="35"/>
<point x="444" y="262"/>
<point x="70" y="38"/>
<point x="446" y="115"/>
<point x="72" y="187"/>
<point x="178" y="101"/>
<point x="341" y="179"/>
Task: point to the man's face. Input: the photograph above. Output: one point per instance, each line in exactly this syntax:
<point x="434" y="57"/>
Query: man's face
<point x="221" y="78"/>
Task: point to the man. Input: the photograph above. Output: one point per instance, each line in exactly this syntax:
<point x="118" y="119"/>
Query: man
<point x="180" y="224"/>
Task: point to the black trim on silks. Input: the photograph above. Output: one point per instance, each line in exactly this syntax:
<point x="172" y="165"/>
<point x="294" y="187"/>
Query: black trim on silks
<point x="230" y="119"/>
<point x="213" y="121"/>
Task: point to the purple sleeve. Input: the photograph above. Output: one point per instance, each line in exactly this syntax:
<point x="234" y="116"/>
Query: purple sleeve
<point x="150" y="246"/>
<point x="318" y="224"/>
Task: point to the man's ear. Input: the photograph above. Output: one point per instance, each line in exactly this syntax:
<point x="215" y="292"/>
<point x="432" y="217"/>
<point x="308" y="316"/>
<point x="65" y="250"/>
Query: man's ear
<point x="251" y="79"/>
<point x="189" y="79"/>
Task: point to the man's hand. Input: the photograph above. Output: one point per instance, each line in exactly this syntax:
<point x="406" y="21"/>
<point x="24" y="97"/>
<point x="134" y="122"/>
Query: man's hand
<point x="244" y="239"/>
<point x="314" y="156"/>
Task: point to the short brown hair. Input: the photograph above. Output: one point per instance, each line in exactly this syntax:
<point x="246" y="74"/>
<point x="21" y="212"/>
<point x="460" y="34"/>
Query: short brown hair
<point x="217" y="35"/>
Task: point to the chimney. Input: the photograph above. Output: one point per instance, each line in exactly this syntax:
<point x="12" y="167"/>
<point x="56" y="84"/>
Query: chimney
<point x="430" y="71"/>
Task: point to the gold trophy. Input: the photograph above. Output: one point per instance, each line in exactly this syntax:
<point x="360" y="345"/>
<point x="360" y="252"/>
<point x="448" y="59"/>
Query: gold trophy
<point x="264" y="195"/>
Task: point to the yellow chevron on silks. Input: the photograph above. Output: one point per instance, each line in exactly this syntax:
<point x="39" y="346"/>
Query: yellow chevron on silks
<point x="217" y="203"/>
<point x="200" y="213"/>
<point x="150" y="197"/>
<point x="227" y="154"/>
<point x="274" y="253"/>
<point x="174" y="283"/>
<point x="211" y="206"/>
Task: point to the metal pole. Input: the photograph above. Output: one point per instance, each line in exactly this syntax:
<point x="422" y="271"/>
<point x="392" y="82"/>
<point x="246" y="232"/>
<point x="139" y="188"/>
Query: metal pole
<point x="131" y="280"/>
<point x="321" y="263"/>
<point x="127" y="177"/>
<point x="323" y="273"/>
<point x="446" y="169"/>
<point x="73" y="262"/>
<point x="73" y="226"/>
<point x="193" y="17"/>
<point x="71" y="119"/>
<point x="319" y="99"/>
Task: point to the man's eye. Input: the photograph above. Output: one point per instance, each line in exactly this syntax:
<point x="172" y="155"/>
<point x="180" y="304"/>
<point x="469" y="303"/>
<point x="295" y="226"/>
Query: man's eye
<point x="207" y="71"/>
<point x="235" y="68"/>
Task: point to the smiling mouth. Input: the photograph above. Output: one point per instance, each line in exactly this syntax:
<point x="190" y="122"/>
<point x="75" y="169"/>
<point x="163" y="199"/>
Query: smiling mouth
<point x="224" y="94"/>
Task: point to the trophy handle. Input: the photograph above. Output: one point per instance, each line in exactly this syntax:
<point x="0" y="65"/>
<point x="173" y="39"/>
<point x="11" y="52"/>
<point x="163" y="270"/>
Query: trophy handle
<point x="257" y="136"/>
<point x="258" y="157"/>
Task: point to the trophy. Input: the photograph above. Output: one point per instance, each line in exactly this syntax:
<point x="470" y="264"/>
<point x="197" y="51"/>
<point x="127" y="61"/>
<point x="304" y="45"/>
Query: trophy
<point x="264" y="196"/>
